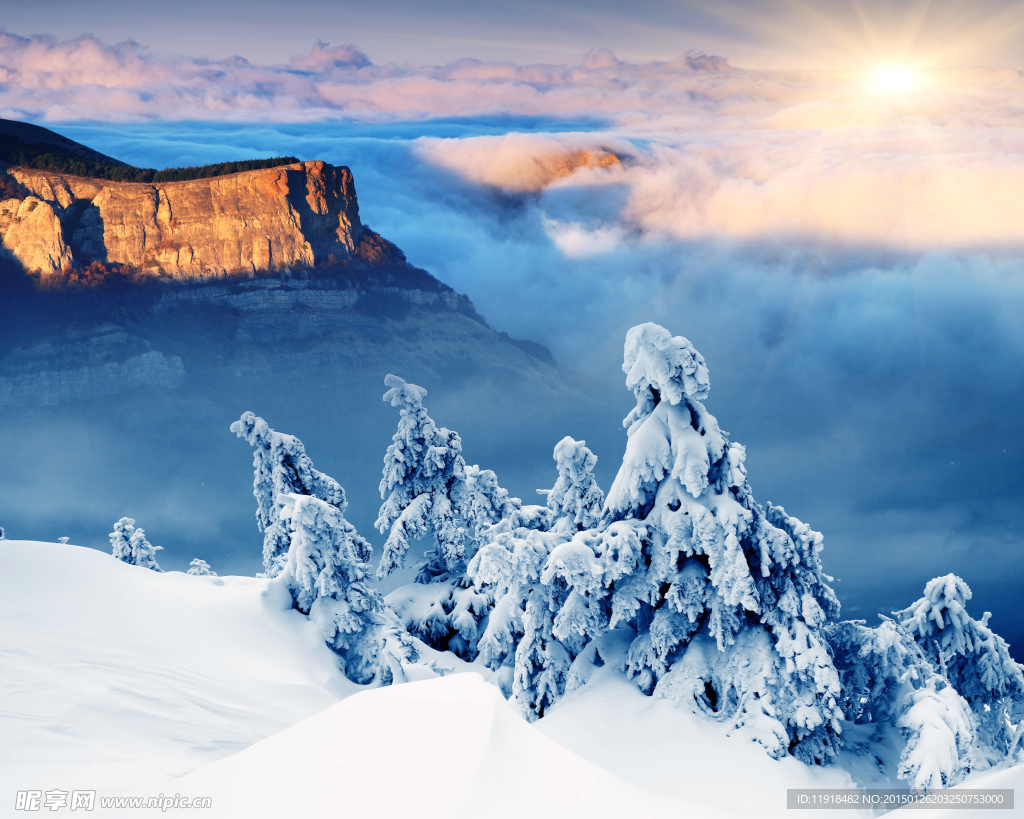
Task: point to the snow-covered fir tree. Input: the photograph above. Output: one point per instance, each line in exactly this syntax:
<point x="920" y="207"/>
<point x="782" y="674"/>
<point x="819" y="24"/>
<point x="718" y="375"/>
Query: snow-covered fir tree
<point x="423" y="486"/>
<point x="129" y="544"/>
<point x="200" y="568"/>
<point x="121" y="540"/>
<point x="726" y="598"/>
<point x="889" y="685"/>
<point x="575" y="499"/>
<point x="327" y="573"/>
<point x="488" y="502"/>
<point x="975" y="660"/>
<point x="2" y="534"/>
<point x="519" y="633"/>
<point x="143" y="553"/>
<point x="428" y="487"/>
<point x="282" y="467"/>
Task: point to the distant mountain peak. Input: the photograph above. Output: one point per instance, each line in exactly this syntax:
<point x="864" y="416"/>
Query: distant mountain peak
<point x="31" y="134"/>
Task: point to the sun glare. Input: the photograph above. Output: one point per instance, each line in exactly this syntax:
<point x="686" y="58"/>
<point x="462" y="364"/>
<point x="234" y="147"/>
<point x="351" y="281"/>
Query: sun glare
<point x="894" y="79"/>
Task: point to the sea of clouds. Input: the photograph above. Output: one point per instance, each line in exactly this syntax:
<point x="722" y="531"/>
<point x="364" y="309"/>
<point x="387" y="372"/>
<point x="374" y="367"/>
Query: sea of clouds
<point x="711" y="149"/>
<point x="848" y="261"/>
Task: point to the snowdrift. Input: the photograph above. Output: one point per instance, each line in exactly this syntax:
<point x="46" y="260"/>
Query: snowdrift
<point x="130" y="682"/>
<point x="449" y="747"/>
<point x="114" y="675"/>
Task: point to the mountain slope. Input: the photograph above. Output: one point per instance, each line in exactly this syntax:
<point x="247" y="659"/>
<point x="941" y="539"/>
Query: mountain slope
<point x="29" y="134"/>
<point x="169" y="309"/>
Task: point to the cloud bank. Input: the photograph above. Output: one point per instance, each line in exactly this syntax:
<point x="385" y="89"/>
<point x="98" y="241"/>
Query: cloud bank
<point x="712" y="150"/>
<point x="83" y="78"/>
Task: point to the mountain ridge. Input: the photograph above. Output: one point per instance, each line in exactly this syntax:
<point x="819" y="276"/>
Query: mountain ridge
<point x="230" y="219"/>
<point x="129" y="375"/>
<point x="27" y="133"/>
<point x="248" y="222"/>
<point x="298" y="219"/>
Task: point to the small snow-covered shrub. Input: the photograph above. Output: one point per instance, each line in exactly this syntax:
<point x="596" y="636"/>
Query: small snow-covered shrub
<point x="975" y="660"/>
<point x="427" y="487"/>
<point x="121" y="539"/>
<point x="889" y="685"/>
<point x="576" y="499"/>
<point x="129" y="544"/>
<point x="939" y="736"/>
<point x="200" y="568"/>
<point x="63" y="540"/>
<point x="282" y="467"/>
<point x="521" y="630"/>
<point x="143" y="552"/>
<point x="488" y="502"/>
<point x="327" y="575"/>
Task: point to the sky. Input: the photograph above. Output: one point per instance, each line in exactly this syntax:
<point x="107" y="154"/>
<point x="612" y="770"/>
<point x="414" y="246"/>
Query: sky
<point x="823" y="197"/>
<point x="755" y="33"/>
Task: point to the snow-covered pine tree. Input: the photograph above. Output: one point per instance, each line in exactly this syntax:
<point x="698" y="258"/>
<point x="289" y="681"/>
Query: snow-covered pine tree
<point x="427" y="486"/>
<point x="974" y="659"/>
<point x="888" y="685"/>
<point x="2" y="534"/>
<point x="508" y="567"/>
<point x="282" y="467"/>
<point x="488" y="502"/>
<point x="143" y="552"/>
<point x="575" y="499"/>
<point x="200" y="568"/>
<point x="727" y="598"/>
<point x="129" y="544"/>
<point x="519" y="631"/>
<point x="327" y="574"/>
<point x="423" y="486"/>
<point x="121" y="540"/>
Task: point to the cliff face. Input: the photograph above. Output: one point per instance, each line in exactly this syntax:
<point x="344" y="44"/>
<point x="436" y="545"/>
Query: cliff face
<point x="117" y="391"/>
<point x="33" y="233"/>
<point x="292" y="216"/>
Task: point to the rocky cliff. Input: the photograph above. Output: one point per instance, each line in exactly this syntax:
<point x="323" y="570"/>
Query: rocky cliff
<point x="156" y="313"/>
<point x="267" y="220"/>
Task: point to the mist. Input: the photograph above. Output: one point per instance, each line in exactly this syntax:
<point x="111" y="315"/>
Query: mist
<point x="878" y="390"/>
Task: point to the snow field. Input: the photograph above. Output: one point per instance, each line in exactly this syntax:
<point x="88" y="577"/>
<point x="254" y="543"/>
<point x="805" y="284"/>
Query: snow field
<point x="127" y="681"/>
<point x="653" y="743"/>
<point x="112" y="675"/>
<point x="447" y="747"/>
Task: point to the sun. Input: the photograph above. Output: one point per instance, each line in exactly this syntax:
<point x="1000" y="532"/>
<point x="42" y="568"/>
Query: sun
<point x="894" y="80"/>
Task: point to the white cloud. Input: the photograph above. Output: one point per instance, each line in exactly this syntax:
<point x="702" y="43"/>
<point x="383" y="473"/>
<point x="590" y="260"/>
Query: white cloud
<point x="907" y="186"/>
<point x="713" y="150"/>
<point x="578" y="241"/>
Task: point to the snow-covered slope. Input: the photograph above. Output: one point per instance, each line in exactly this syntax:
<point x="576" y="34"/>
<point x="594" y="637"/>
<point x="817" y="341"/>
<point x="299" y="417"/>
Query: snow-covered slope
<point x="448" y="747"/>
<point x="1004" y="778"/>
<point x="654" y="744"/>
<point x="130" y="682"/>
<point x="111" y="674"/>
